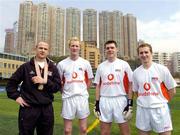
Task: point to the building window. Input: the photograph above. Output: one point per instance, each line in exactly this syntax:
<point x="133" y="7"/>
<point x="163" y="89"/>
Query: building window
<point x="5" y="65"/>
<point x="12" y="66"/>
<point x="1" y="64"/>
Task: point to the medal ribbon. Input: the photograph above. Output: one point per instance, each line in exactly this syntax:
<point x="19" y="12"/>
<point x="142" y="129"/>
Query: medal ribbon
<point x="45" y="70"/>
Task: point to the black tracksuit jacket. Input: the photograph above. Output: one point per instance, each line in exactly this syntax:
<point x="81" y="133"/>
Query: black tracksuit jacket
<point x="28" y="90"/>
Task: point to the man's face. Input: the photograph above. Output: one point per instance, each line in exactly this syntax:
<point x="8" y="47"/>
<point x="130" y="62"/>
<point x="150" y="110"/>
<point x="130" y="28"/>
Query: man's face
<point x="111" y="51"/>
<point x="145" y="55"/>
<point x="42" y="50"/>
<point x="74" y="48"/>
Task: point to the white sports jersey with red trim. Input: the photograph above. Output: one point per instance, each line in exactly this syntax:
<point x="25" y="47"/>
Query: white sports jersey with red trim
<point x="152" y="85"/>
<point x="113" y="78"/>
<point x="74" y="75"/>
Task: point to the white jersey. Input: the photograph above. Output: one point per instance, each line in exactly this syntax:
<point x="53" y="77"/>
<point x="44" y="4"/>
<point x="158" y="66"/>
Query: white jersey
<point x="74" y="75"/>
<point x="113" y="78"/>
<point x="152" y="85"/>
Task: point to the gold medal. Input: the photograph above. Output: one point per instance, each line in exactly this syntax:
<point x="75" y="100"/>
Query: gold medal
<point x="40" y="87"/>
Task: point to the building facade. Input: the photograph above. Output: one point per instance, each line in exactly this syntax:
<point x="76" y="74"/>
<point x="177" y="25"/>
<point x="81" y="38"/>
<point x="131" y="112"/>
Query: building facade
<point x="73" y="25"/>
<point x="15" y="30"/>
<point x="90" y="25"/>
<point x="130" y="36"/>
<point x="26" y="28"/>
<point x="117" y="25"/>
<point x="9" y="41"/>
<point x="122" y="29"/>
<point x="57" y="31"/>
<point x="176" y="62"/>
<point x="90" y="52"/>
<point x="9" y="64"/>
<point x="164" y="59"/>
<point x="105" y="31"/>
<point x="40" y="22"/>
<point x="43" y="23"/>
<point x="55" y="25"/>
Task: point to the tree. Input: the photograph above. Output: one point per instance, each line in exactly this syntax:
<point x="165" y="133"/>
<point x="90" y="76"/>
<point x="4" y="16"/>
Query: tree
<point x="134" y="63"/>
<point x="176" y="75"/>
<point x="57" y="59"/>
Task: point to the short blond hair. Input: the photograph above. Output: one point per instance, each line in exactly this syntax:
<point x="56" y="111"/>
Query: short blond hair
<point x="73" y="39"/>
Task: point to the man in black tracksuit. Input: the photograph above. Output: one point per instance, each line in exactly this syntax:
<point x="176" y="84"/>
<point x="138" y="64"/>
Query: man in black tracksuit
<point x="39" y="79"/>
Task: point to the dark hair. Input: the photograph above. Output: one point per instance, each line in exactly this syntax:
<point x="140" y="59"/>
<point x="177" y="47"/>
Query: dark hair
<point x="110" y="42"/>
<point x="144" y="45"/>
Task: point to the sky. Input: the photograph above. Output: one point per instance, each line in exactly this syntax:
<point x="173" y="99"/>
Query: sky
<point x="158" y="21"/>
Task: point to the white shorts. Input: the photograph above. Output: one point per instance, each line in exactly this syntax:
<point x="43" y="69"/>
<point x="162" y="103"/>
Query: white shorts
<point x="156" y="119"/>
<point x="76" y="106"/>
<point x="111" y="108"/>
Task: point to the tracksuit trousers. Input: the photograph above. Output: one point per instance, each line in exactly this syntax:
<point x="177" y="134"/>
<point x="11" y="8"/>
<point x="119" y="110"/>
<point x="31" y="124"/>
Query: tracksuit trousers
<point x="39" y="117"/>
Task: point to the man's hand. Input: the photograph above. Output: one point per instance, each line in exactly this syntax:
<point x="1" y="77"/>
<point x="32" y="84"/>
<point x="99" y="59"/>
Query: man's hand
<point x="21" y="101"/>
<point x="97" y="112"/>
<point x="38" y="79"/>
<point x="128" y="110"/>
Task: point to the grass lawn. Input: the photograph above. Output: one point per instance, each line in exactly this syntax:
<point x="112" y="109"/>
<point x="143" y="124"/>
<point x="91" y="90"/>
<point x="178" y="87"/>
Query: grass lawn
<point x="9" y="114"/>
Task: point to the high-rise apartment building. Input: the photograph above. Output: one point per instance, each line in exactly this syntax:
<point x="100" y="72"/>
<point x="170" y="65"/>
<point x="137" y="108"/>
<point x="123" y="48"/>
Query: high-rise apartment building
<point x="50" y="27"/>
<point x="55" y="25"/>
<point x="57" y="31"/>
<point x="40" y="22"/>
<point x="117" y="27"/>
<point x="90" y="25"/>
<point x="43" y="27"/>
<point x="9" y="41"/>
<point x="130" y="36"/>
<point x="26" y="28"/>
<point x="105" y="30"/>
<point x="15" y="30"/>
<point x="122" y="29"/>
<point x="73" y="25"/>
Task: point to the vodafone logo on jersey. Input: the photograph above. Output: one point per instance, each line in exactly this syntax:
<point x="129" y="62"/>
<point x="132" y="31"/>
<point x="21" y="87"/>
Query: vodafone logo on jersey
<point x="110" y="77"/>
<point x="74" y="75"/>
<point x="147" y="86"/>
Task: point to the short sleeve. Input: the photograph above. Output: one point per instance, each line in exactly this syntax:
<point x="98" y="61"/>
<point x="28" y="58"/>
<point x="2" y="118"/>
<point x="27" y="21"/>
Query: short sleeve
<point x="97" y="76"/>
<point x="135" y="83"/>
